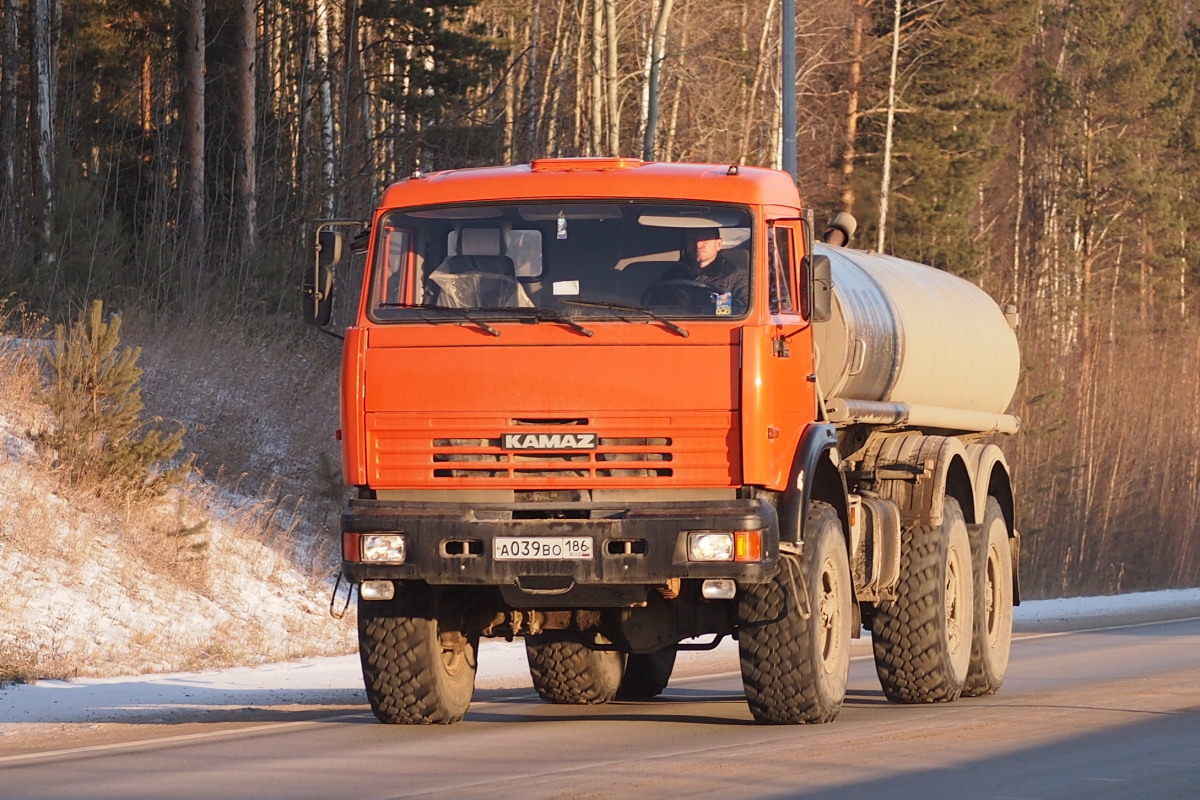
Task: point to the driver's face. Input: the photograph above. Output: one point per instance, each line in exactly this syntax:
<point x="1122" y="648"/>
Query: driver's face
<point x="704" y="250"/>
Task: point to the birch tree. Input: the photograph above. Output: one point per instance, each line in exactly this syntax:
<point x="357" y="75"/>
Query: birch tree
<point x="596" y="127"/>
<point x="611" y="78"/>
<point x="653" y="72"/>
<point x="44" y="69"/>
<point x="853" y="88"/>
<point x="325" y="107"/>
<point x="885" y="179"/>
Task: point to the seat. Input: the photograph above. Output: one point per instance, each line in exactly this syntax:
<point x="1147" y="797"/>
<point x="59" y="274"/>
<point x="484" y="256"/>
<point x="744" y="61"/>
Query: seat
<point x="479" y="275"/>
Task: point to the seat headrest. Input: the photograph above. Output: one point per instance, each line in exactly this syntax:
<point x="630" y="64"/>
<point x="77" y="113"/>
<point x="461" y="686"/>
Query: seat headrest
<point x="479" y="242"/>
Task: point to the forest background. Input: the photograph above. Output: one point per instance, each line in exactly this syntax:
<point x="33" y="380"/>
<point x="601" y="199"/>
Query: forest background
<point x="166" y="157"/>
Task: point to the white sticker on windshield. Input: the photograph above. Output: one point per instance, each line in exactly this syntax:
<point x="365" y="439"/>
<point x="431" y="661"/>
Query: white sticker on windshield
<point x="566" y="288"/>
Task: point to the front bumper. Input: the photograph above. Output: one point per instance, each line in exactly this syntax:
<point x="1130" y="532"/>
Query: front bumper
<point x="452" y="544"/>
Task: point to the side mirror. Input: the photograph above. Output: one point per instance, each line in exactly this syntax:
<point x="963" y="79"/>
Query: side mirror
<point x="318" y="295"/>
<point x="329" y="247"/>
<point x="318" y="282"/>
<point x="820" y="289"/>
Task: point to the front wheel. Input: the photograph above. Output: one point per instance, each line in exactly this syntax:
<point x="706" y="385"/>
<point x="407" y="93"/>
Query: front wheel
<point x="794" y="635"/>
<point x="416" y="671"/>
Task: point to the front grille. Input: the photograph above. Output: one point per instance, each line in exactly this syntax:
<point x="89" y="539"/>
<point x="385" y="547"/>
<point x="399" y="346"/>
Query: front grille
<point x="623" y="457"/>
<point x="698" y="448"/>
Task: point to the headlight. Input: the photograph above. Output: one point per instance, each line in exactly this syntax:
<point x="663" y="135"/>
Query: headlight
<point x="725" y="546"/>
<point x="710" y="546"/>
<point x="384" y="548"/>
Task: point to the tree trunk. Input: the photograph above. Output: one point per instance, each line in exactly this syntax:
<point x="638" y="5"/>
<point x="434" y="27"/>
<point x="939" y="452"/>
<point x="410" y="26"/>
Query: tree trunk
<point x="510" y="114"/>
<point x="853" y="86"/>
<point x="552" y="89"/>
<point x="356" y="156"/>
<point x="749" y="118"/>
<point x="885" y="182"/>
<point x="531" y="85"/>
<point x="11" y="55"/>
<point x="43" y="126"/>
<point x="325" y="106"/>
<point x="1017" y="288"/>
<point x="578" y="141"/>
<point x="657" y="44"/>
<point x="596" y="129"/>
<point x="611" y="79"/>
<point x="193" y="132"/>
<point x="247" y="118"/>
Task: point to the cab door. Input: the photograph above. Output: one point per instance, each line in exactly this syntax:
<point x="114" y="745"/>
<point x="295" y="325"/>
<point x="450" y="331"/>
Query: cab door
<point x="789" y="374"/>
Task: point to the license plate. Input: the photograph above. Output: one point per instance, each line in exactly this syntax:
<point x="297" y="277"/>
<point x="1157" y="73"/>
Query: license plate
<point x="542" y="548"/>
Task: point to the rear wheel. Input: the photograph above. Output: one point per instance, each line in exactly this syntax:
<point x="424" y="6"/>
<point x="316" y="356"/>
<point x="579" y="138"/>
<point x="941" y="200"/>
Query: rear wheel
<point x="794" y="639"/>
<point x="647" y="674"/>
<point x="922" y="638"/>
<point x="993" y="616"/>
<point x="569" y="672"/>
<point x="415" y="670"/>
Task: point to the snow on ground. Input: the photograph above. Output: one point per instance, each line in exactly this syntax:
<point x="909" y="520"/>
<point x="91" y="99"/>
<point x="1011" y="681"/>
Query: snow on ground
<point x="198" y="578"/>
<point x="336" y="681"/>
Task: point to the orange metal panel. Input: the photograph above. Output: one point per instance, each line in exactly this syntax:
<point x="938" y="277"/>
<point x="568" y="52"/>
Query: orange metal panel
<point x="532" y="380"/>
<point x="758" y="407"/>
<point x="697" y="182"/>
<point x="778" y="402"/>
<point x="354" y="459"/>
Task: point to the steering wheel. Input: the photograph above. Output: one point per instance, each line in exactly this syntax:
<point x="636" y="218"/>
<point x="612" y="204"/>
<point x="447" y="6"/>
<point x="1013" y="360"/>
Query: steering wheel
<point x="669" y="292"/>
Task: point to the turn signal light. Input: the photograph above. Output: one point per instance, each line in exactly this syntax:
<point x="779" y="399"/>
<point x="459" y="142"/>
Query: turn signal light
<point x="747" y="546"/>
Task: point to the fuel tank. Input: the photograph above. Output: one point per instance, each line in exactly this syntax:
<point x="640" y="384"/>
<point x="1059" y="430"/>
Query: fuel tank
<point x="905" y="337"/>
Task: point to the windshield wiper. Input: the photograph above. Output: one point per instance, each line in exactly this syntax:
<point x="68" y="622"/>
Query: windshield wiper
<point x="465" y="313"/>
<point x="548" y="315"/>
<point x="636" y="309"/>
<point x="530" y="314"/>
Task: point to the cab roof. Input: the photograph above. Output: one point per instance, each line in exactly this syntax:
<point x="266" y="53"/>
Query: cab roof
<point x="610" y="178"/>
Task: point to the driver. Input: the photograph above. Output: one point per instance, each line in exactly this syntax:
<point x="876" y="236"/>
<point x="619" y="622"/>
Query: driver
<point x="703" y="263"/>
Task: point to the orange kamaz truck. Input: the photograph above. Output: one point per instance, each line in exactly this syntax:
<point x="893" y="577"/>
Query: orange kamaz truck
<point x="621" y="409"/>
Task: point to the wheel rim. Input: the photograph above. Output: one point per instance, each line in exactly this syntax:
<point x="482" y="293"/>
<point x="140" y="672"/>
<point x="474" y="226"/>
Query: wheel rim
<point x="453" y="655"/>
<point x="991" y="598"/>
<point x="829" y="606"/>
<point x="957" y="616"/>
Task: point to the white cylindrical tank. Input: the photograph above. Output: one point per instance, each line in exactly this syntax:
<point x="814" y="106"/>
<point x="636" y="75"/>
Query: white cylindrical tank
<point x="907" y="333"/>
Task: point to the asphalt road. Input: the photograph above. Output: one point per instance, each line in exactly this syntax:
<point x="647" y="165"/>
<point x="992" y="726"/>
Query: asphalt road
<point x="1106" y="713"/>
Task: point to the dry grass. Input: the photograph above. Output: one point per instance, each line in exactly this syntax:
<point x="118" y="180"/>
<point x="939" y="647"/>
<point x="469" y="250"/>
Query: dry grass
<point x="26" y="659"/>
<point x="204" y="576"/>
<point x="260" y="407"/>
<point x="20" y="352"/>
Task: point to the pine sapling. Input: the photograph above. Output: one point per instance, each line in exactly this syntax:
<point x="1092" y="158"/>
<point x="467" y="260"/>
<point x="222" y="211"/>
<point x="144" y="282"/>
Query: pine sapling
<point x="100" y="442"/>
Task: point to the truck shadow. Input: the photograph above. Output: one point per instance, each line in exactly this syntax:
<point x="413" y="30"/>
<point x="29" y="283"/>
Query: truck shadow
<point x="667" y="707"/>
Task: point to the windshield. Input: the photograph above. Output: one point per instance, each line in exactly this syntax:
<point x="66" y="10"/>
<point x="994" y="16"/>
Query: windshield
<point x="574" y="259"/>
